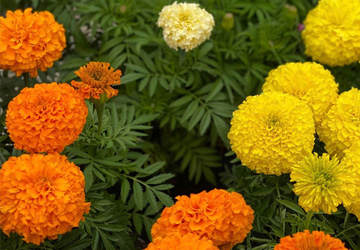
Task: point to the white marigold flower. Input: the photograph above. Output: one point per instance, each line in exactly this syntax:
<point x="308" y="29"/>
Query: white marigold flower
<point x="185" y="25"/>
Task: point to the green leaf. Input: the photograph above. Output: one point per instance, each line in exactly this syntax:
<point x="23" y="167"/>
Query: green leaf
<point x="125" y="188"/>
<point x="205" y="49"/>
<point x="138" y="224"/>
<point x="293" y="206"/>
<point x="217" y="87"/>
<point x="164" y="198"/>
<point x="181" y="101"/>
<point x="159" y="179"/>
<point x="151" y="197"/>
<point x="138" y="195"/>
<point x="89" y="178"/>
<point x="131" y="77"/>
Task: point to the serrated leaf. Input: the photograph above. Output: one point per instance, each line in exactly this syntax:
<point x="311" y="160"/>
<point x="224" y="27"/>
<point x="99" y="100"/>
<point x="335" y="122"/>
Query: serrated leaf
<point x="217" y="87"/>
<point x="138" y="224"/>
<point x="181" y="101"/>
<point x="89" y="178"/>
<point x="138" y="195"/>
<point x="125" y="188"/>
<point x="292" y="206"/>
<point x="164" y="198"/>
<point x="159" y="179"/>
<point x="151" y="197"/>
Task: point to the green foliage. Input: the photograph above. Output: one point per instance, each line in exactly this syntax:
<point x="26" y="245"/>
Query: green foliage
<point x="172" y="116"/>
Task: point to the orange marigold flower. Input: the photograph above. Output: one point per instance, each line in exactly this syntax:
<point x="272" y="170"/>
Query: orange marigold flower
<point x="222" y="217"/>
<point x="317" y="240"/>
<point x="30" y="41"/>
<point x="177" y="241"/>
<point x="97" y="78"/>
<point x="46" y="118"/>
<point x="41" y="196"/>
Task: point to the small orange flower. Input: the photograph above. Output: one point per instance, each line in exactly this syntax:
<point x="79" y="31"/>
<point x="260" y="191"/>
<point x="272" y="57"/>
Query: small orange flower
<point x="46" y="118"/>
<point x="222" y="217"/>
<point x="177" y="241"/>
<point x="30" y="41"/>
<point x="41" y="196"/>
<point x="97" y="78"/>
<point x="317" y="240"/>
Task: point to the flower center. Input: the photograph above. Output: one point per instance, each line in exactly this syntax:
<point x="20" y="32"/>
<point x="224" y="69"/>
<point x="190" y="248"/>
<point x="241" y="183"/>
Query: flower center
<point x="323" y="178"/>
<point x="273" y="121"/>
<point x="96" y="75"/>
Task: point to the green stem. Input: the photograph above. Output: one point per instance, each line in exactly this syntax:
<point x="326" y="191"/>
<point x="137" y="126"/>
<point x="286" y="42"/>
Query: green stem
<point x="100" y="108"/>
<point x="309" y="215"/>
<point x="182" y="57"/>
<point x="27" y="79"/>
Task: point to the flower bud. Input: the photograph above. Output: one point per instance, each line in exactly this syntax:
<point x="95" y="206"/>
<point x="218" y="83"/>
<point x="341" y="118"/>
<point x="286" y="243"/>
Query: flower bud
<point x="228" y="21"/>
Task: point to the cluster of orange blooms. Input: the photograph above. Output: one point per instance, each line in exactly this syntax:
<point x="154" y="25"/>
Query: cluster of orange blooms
<point x="30" y="41"/>
<point x="218" y="215"/>
<point x="42" y="196"/>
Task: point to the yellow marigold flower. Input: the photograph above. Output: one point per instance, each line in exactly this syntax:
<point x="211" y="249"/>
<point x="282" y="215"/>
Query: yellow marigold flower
<point x="41" y="196"/>
<point x="332" y="32"/>
<point x="341" y="125"/>
<point x="322" y="183"/>
<point x="309" y="82"/>
<point x="271" y="132"/>
<point x="316" y="240"/>
<point x="46" y="118"/>
<point x="185" y="25"/>
<point x="351" y="161"/>
<point x="177" y="241"/>
<point x="222" y="217"/>
<point x="97" y="78"/>
<point x="30" y="41"/>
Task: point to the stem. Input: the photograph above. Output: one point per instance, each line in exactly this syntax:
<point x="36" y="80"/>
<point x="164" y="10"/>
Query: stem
<point x="182" y="57"/>
<point x="309" y="215"/>
<point x="27" y="79"/>
<point x="100" y="108"/>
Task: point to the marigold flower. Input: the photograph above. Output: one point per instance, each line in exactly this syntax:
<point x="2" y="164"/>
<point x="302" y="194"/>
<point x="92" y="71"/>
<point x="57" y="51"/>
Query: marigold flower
<point x="30" y="41"/>
<point x="317" y="240"/>
<point x="341" y="125"/>
<point x="322" y="183"/>
<point x="351" y="161"/>
<point x="97" y="78"/>
<point x="185" y="25"/>
<point x="41" y="196"/>
<point x="218" y="215"/>
<point x="332" y="32"/>
<point x="46" y="118"/>
<point x="177" y="241"/>
<point x="309" y="82"/>
<point x="271" y="132"/>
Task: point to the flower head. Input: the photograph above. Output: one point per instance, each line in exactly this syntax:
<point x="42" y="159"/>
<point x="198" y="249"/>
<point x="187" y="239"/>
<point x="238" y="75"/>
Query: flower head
<point x="322" y="183"/>
<point x="222" y="217"/>
<point x="332" y="32"/>
<point x="351" y="161"/>
<point x="41" y="196"/>
<point x="97" y="78"/>
<point x="272" y="131"/>
<point x="46" y="118"/>
<point x="177" y="241"/>
<point x="317" y="240"/>
<point x="185" y="25"/>
<point x="309" y="82"/>
<point x="30" y="41"/>
<point x="341" y="125"/>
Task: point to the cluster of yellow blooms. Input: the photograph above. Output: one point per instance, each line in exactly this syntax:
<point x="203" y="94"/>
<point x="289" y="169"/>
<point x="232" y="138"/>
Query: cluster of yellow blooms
<point x="273" y="133"/>
<point x="332" y="32"/>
